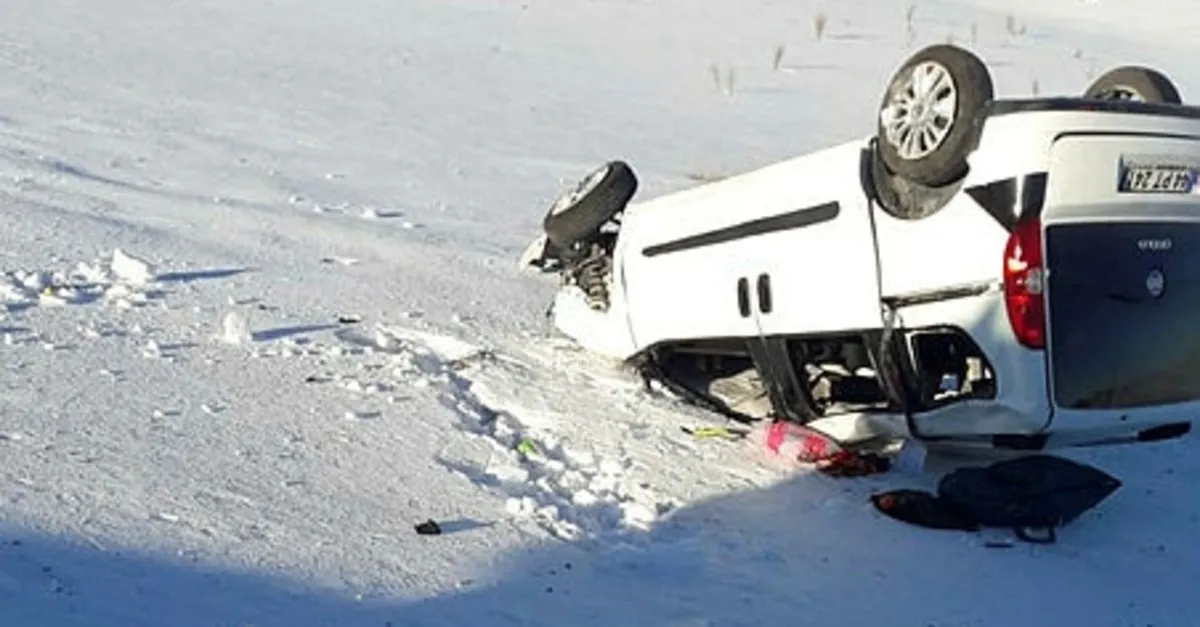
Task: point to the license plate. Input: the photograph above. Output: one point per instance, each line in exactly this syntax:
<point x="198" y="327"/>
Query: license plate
<point x="1154" y="179"/>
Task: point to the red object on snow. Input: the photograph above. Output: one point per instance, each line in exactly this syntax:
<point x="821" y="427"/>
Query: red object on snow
<point x="808" y="446"/>
<point x="800" y="443"/>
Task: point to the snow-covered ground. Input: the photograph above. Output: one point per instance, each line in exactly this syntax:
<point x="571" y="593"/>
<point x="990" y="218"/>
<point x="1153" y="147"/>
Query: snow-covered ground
<point x="262" y="317"/>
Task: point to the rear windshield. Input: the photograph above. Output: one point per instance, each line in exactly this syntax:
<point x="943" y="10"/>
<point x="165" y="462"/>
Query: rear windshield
<point x="1124" y="313"/>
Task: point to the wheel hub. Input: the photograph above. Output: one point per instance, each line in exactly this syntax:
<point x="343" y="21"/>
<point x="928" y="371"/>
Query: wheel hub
<point x="1122" y="92"/>
<point x="920" y="112"/>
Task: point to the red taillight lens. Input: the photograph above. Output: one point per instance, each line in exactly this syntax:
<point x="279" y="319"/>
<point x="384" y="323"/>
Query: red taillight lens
<point x="1023" y="282"/>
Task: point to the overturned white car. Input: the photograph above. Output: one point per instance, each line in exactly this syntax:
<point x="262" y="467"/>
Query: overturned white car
<point x="1005" y="273"/>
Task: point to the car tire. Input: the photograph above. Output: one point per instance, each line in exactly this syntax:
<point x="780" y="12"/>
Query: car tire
<point x="951" y="88"/>
<point x="902" y="198"/>
<point x="1133" y="82"/>
<point x="580" y="213"/>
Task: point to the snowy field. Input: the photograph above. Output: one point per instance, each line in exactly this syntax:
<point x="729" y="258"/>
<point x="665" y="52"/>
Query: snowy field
<point x="262" y="317"/>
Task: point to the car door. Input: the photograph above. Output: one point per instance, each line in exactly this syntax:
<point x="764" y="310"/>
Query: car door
<point x="677" y="285"/>
<point x="814" y="268"/>
<point x="786" y="249"/>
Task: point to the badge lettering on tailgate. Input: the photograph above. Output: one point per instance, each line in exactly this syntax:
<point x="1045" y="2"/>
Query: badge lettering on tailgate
<point x="1154" y="245"/>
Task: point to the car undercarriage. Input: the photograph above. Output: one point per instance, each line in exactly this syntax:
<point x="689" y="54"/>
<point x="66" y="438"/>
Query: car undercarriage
<point x="831" y="375"/>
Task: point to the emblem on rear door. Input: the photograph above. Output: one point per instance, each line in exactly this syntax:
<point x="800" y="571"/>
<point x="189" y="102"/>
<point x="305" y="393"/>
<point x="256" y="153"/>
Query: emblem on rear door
<point x="1156" y="282"/>
<point x="1154" y="244"/>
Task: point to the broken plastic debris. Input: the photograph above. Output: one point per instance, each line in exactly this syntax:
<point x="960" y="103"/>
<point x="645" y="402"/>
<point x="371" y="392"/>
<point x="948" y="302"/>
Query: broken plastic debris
<point x="527" y="448"/>
<point x="705" y="432"/>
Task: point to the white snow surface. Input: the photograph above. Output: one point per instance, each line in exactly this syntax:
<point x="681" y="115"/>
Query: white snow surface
<point x="261" y="318"/>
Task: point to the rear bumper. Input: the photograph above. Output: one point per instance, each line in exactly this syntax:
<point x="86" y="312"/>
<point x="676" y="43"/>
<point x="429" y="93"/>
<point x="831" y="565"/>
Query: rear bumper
<point x="1068" y="428"/>
<point x="1075" y="438"/>
<point x="1101" y="436"/>
<point x="1141" y="424"/>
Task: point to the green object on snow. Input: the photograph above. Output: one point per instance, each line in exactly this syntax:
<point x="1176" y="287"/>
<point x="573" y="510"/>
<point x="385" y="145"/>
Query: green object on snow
<point x="526" y="447"/>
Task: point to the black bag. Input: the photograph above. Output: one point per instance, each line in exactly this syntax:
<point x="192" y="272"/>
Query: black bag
<point x="1023" y="494"/>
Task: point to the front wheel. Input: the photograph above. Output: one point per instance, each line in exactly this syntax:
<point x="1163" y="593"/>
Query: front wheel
<point x="580" y="213"/>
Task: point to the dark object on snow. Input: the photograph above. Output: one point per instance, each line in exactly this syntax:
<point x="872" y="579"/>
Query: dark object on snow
<point x="429" y="528"/>
<point x="1035" y="492"/>
<point x="349" y="319"/>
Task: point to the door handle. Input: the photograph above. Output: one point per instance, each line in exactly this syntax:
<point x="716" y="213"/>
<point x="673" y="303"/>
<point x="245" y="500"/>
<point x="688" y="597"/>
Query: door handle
<point x="764" y="293"/>
<point x="743" y="297"/>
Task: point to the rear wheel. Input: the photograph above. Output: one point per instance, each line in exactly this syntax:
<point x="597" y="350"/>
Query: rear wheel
<point x="1134" y="83"/>
<point x="929" y="118"/>
<point x="580" y="213"/>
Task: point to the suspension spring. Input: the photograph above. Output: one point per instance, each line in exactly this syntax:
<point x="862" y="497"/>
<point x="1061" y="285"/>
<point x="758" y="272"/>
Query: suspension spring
<point x="591" y="274"/>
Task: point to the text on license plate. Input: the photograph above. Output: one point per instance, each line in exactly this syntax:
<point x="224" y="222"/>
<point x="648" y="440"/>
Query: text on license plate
<point x="1157" y="179"/>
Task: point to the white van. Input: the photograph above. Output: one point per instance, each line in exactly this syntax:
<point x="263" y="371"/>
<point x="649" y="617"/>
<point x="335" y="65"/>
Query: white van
<point x="1001" y="273"/>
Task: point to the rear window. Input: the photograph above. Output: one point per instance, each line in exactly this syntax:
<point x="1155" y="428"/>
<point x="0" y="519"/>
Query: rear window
<point x="1124" y="314"/>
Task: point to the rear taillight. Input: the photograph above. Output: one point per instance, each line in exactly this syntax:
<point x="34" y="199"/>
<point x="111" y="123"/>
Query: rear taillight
<point x="1024" y="274"/>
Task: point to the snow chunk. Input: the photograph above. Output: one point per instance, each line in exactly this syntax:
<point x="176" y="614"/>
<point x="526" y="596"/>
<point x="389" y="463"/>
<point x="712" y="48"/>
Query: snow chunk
<point x="235" y="329"/>
<point x="130" y="268"/>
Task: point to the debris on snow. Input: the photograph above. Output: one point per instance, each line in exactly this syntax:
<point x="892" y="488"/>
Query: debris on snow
<point x="428" y="528"/>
